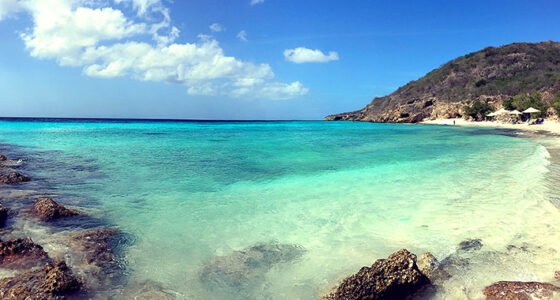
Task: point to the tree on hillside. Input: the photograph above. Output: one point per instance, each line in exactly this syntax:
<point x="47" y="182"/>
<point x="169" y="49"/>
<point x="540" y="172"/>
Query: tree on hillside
<point x="478" y="110"/>
<point x="523" y="101"/>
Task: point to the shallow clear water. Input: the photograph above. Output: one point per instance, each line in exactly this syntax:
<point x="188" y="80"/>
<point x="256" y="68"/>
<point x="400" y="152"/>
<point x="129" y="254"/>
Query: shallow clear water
<point x="349" y="193"/>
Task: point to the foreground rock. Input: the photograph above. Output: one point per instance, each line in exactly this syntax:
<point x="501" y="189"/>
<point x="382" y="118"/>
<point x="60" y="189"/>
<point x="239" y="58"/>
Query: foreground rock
<point x="100" y="255"/>
<point x="53" y="281"/>
<point x="514" y="290"/>
<point x="13" y="178"/>
<point x="21" y="253"/>
<point x="241" y="268"/>
<point x="47" y="210"/>
<point x="396" y="277"/>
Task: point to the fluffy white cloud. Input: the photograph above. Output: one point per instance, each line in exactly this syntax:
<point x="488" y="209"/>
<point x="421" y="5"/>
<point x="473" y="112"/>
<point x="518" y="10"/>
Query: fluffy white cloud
<point x="302" y="55"/>
<point x="8" y="7"/>
<point x="255" y="2"/>
<point x="106" y="43"/>
<point x="217" y="27"/>
<point x="242" y="35"/>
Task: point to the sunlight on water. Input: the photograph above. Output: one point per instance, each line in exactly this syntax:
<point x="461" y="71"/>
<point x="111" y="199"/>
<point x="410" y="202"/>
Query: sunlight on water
<point x="347" y="193"/>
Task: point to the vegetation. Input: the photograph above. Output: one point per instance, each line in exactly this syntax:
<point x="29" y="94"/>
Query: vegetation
<point x="556" y="103"/>
<point x="478" y="110"/>
<point x="523" y="101"/>
<point x="519" y="71"/>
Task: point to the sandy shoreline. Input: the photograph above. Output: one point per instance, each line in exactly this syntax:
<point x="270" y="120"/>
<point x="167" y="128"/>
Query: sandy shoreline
<point x="550" y="126"/>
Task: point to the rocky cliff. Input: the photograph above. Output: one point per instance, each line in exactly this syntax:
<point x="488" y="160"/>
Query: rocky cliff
<point x="492" y="74"/>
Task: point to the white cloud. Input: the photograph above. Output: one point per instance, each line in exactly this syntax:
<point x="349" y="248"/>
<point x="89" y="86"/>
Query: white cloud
<point x="242" y="35"/>
<point x="255" y="2"/>
<point x="217" y="27"/>
<point x="8" y="7"/>
<point x="302" y="55"/>
<point x="106" y="43"/>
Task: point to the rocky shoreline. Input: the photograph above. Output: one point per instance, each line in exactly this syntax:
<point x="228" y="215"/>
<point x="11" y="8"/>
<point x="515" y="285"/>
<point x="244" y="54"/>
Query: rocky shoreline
<point x="82" y="257"/>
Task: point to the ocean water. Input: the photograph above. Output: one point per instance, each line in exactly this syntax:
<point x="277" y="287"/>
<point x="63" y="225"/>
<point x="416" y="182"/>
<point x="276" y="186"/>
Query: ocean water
<point x="347" y="193"/>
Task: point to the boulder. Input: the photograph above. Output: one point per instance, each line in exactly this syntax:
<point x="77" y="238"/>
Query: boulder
<point x="243" y="267"/>
<point x="3" y="157"/>
<point x="53" y="281"/>
<point x="21" y="253"/>
<point x="470" y="245"/>
<point x="397" y="277"/>
<point x="100" y="255"/>
<point x="515" y="290"/>
<point x="13" y="178"/>
<point x="48" y="210"/>
<point x="3" y="215"/>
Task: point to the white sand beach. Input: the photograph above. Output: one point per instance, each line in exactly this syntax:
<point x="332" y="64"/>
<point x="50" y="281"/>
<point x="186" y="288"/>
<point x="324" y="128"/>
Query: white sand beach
<point x="551" y="126"/>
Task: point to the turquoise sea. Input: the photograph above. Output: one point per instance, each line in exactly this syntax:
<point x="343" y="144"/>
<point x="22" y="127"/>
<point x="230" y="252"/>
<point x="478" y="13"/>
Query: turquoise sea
<point x="348" y="193"/>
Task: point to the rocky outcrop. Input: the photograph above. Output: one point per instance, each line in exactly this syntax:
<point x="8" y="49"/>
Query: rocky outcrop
<point x="21" y="253"/>
<point x="3" y="157"/>
<point x="242" y="267"/>
<point x="396" y="277"/>
<point x="515" y="290"/>
<point x="47" y="210"/>
<point x="491" y="75"/>
<point x="470" y="245"/>
<point x="53" y="281"/>
<point x="100" y="255"/>
<point x="13" y="178"/>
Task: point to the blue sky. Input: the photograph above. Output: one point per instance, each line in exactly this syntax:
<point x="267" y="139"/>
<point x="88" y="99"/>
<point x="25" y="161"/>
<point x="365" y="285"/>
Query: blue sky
<point x="277" y="59"/>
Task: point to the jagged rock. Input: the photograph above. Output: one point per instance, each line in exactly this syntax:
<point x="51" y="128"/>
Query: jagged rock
<point x="101" y="257"/>
<point x="470" y="245"/>
<point x="3" y="157"/>
<point x="514" y="290"/>
<point x="3" y="215"/>
<point x="53" y="281"/>
<point x="242" y="267"/>
<point x="21" y="253"/>
<point x="432" y="268"/>
<point x="48" y="210"/>
<point x="396" y="277"/>
<point x="13" y="178"/>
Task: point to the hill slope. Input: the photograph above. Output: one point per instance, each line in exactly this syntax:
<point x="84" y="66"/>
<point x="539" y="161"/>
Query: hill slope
<point x="492" y="74"/>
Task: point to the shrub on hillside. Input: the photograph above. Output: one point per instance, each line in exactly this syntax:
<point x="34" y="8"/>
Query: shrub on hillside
<point x="478" y="110"/>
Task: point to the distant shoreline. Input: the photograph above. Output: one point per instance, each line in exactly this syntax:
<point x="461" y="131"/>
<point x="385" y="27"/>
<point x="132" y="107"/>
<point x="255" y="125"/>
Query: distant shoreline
<point x="549" y="126"/>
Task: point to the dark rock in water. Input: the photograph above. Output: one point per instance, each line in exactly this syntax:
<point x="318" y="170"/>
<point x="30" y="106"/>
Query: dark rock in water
<point x="48" y="210"/>
<point x="397" y="277"/>
<point x="53" y="281"/>
<point x="21" y="253"/>
<point x="470" y="245"/>
<point x="102" y="257"/>
<point x="13" y="178"/>
<point x="514" y="290"/>
<point x="3" y="157"/>
<point x="3" y="215"/>
<point x="431" y="268"/>
<point x="241" y="268"/>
